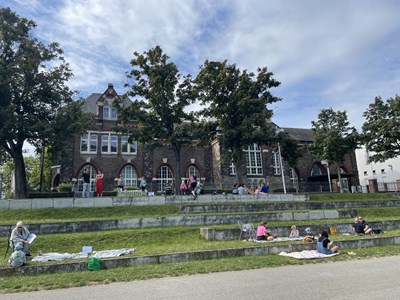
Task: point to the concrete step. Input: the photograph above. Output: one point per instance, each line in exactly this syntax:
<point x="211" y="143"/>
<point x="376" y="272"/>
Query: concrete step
<point x="251" y="249"/>
<point x="183" y="220"/>
<point x="265" y="206"/>
<point x="222" y="234"/>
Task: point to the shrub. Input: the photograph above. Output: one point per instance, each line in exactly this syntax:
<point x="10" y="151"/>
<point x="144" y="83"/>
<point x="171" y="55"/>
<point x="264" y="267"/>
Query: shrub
<point x="64" y="188"/>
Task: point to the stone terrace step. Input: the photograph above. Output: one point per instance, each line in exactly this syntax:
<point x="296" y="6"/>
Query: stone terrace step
<point x="198" y="220"/>
<point x="265" y="206"/>
<point x="11" y="204"/>
<point x="261" y="249"/>
<point x="222" y="234"/>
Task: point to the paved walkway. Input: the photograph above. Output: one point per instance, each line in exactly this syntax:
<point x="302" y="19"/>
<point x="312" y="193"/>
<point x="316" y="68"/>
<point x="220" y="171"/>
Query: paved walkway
<point x="357" y="279"/>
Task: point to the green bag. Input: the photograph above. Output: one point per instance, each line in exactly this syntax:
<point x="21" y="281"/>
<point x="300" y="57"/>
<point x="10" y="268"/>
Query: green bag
<point x="94" y="264"/>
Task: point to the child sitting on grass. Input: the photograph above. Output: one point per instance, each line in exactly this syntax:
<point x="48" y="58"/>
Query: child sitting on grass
<point x="18" y="257"/>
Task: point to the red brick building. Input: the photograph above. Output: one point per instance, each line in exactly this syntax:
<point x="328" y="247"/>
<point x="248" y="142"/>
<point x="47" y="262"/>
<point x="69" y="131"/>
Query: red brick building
<point x="102" y="148"/>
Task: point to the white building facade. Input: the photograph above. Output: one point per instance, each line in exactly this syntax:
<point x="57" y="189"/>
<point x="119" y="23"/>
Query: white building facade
<point x="385" y="173"/>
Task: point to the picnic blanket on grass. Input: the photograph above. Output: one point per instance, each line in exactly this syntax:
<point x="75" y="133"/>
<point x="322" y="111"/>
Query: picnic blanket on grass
<point x="278" y="239"/>
<point x="99" y="254"/>
<point x="307" y="254"/>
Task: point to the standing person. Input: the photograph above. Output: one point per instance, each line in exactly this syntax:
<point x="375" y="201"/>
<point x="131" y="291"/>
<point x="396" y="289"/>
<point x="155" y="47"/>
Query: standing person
<point x="86" y="183"/>
<point x="20" y="234"/>
<point x="18" y="257"/>
<point x="324" y="245"/>
<point x="99" y="183"/>
<point x="143" y="184"/>
<point x="193" y="184"/>
<point x="121" y="183"/>
<point x="262" y="232"/>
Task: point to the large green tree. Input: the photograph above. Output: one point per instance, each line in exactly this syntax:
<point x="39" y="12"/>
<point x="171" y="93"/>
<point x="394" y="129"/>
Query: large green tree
<point x="381" y="131"/>
<point x="158" y="114"/>
<point x="333" y="138"/>
<point x="237" y="102"/>
<point x="33" y="89"/>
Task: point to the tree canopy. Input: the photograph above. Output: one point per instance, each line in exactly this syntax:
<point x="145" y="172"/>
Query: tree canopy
<point x="333" y="137"/>
<point x="236" y="101"/>
<point x="157" y="114"/>
<point x="33" y="89"/>
<point x="381" y="131"/>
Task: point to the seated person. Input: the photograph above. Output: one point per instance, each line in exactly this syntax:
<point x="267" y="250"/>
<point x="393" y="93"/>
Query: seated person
<point x="361" y="226"/>
<point x="20" y="234"/>
<point x="294" y="233"/>
<point x="18" y="257"/>
<point x="235" y="188"/>
<point x="241" y="190"/>
<point x="324" y="245"/>
<point x="310" y="236"/>
<point x="265" y="188"/>
<point x="262" y="233"/>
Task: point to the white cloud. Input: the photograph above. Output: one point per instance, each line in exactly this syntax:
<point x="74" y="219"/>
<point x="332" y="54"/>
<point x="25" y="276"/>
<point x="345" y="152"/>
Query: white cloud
<point x="338" y="54"/>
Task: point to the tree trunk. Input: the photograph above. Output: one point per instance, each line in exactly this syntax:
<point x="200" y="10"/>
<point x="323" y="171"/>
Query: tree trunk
<point x="20" y="174"/>
<point x="177" y="152"/>
<point x="239" y="172"/>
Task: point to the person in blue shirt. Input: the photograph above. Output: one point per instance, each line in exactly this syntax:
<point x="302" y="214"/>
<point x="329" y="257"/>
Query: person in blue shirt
<point x="324" y="245"/>
<point x="265" y="188"/>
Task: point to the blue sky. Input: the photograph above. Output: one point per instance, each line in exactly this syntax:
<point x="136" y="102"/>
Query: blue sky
<point x="339" y="54"/>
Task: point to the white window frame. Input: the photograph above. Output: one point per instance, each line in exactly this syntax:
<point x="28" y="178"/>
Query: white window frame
<point x="110" y="141"/>
<point x="92" y="173"/>
<point x="130" y="176"/>
<point x="164" y="178"/>
<point x="276" y="163"/>
<point x="131" y="148"/>
<point x="109" y="112"/>
<point x="91" y="139"/>
<point x="232" y="169"/>
<point x="193" y="171"/>
<point x="253" y="160"/>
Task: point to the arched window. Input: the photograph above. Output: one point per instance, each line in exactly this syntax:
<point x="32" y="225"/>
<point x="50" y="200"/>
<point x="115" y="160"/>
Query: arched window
<point x="130" y="176"/>
<point x="316" y="170"/>
<point x="92" y="173"/>
<point x="192" y="171"/>
<point x="164" y="178"/>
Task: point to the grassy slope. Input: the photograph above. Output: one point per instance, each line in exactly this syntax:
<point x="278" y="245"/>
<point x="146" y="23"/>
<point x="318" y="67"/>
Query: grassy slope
<point x="155" y="241"/>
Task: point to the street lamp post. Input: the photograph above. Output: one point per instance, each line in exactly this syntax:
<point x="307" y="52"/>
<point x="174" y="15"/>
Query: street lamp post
<point x="325" y="162"/>
<point x="283" y="175"/>
<point x="394" y="181"/>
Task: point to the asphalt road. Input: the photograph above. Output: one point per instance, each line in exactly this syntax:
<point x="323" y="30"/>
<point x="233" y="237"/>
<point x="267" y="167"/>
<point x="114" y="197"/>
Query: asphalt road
<point x="358" y="279"/>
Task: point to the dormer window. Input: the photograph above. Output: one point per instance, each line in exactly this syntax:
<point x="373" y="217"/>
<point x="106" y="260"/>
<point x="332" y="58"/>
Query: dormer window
<point x="109" y="112"/>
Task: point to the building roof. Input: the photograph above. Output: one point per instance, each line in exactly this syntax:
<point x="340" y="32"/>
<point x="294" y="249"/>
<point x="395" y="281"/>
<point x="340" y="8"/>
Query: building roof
<point x="302" y="135"/>
<point x="90" y="103"/>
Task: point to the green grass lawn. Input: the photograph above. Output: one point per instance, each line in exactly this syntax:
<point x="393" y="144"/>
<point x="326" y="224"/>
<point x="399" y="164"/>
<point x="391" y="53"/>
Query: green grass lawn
<point x="158" y="241"/>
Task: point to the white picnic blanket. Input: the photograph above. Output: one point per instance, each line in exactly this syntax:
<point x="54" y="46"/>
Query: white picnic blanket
<point x="279" y="239"/>
<point x="99" y="254"/>
<point x="112" y="253"/>
<point x="307" y="254"/>
<point x="59" y="256"/>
